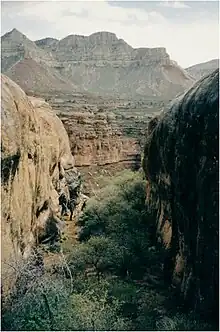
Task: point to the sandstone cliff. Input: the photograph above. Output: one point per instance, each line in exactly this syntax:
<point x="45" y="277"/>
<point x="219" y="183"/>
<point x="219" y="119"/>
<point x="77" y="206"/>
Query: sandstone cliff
<point x="181" y="163"/>
<point x="99" y="146"/>
<point x="96" y="140"/>
<point x="37" y="166"/>
<point x="100" y="63"/>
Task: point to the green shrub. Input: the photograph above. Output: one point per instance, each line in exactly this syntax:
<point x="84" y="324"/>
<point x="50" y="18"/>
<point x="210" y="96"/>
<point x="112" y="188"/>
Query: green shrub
<point x="99" y="254"/>
<point x="111" y="280"/>
<point x="118" y="211"/>
<point x="37" y="307"/>
<point x="90" y="312"/>
<point x="48" y="304"/>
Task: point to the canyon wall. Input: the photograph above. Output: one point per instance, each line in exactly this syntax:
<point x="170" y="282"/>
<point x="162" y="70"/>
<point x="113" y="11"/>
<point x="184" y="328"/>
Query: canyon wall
<point x="96" y="140"/>
<point x="181" y="163"/>
<point x="37" y="167"/>
<point x="98" y="146"/>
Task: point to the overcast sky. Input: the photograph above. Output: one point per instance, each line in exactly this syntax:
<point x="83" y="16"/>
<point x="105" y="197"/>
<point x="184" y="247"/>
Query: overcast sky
<point x="187" y="29"/>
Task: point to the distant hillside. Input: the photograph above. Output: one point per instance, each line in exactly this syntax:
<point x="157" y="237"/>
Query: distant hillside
<point x="15" y="47"/>
<point x="100" y="63"/>
<point x="203" y="69"/>
<point x="36" y="77"/>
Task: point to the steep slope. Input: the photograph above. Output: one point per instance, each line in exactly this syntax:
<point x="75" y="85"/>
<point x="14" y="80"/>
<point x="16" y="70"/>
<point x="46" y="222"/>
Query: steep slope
<point x="34" y="77"/>
<point x="15" y="47"/>
<point x="181" y="163"/>
<point x="101" y="63"/>
<point x="30" y="66"/>
<point x="37" y="166"/>
<point x="203" y="69"/>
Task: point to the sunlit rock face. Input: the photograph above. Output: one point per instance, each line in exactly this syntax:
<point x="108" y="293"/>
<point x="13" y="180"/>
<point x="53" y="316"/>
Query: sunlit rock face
<point x="181" y="163"/>
<point x="37" y="166"/>
<point x="96" y="139"/>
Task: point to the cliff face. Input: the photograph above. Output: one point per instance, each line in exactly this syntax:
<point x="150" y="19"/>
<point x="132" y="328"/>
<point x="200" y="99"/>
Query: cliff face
<point x="98" y="146"/>
<point x="181" y="163"/>
<point x="37" y="167"/>
<point x="96" y="140"/>
<point x="111" y="66"/>
<point x="100" y="63"/>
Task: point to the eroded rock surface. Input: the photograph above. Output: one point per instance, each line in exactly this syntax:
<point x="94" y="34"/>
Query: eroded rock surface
<point x="181" y="163"/>
<point x="96" y="140"/>
<point x="100" y="63"/>
<point x="37" y="167"/>
<point x="98" y="144"/>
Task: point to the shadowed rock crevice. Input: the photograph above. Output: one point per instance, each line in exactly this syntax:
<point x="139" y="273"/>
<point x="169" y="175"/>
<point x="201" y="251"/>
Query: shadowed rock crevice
<point x="181" y="163"/>
<point x="8" y="167"/>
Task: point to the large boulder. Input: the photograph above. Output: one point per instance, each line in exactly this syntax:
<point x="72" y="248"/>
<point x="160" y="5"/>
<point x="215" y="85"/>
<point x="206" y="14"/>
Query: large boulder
<point x="37" y="167"/>
<point x="181" y="163"/>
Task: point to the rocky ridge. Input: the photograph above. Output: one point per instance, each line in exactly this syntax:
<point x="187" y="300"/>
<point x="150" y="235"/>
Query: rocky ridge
<point x="100" y="63"/>
<point x="202" y="69"/>
<point x="30" y="66"/>
<point x="36" y="78"/>
<point x="16" y="46"/>
<point x="181" y="163"/>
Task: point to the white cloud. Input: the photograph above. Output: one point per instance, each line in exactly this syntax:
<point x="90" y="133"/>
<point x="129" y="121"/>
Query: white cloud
<point x="173" y="4"/>
<point x="187" y="42"/>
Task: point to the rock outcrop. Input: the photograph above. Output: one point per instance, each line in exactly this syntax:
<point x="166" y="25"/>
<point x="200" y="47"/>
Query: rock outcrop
<point x="202" y="69"/>
<point x="37" y="167"/>
<point x="96" y="140"/>
<point x="100" y="63"/>
<point x="99" y="146"/>
<point x="181" y="163"/>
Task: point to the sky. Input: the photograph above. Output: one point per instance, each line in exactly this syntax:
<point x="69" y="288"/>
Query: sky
<point x="187" y="29"/>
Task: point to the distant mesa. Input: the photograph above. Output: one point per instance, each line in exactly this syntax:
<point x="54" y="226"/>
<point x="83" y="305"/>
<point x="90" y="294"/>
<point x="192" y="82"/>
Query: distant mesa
<point x="100" y="63"/>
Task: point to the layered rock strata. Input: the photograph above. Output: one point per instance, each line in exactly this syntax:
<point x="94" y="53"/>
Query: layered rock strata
<point x="96" y="140"/>
<point x="99" y="147"/>
<point x="104" y="64"/>
<point x="100" y="63"/>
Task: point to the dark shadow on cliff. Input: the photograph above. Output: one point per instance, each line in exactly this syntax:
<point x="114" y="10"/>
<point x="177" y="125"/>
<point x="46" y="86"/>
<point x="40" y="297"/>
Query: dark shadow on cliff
<point x="181" y="164"/>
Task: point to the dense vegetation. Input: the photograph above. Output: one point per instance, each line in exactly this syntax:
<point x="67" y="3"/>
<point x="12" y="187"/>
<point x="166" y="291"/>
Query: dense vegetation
<point x="111" y="280"/>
